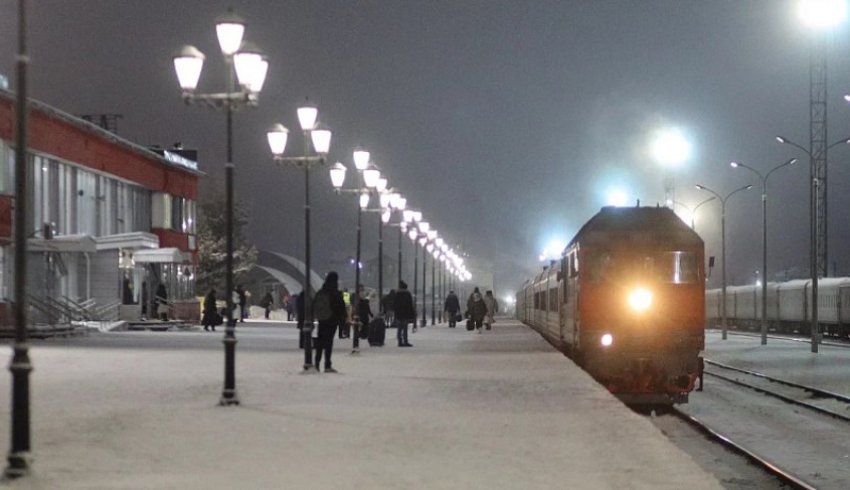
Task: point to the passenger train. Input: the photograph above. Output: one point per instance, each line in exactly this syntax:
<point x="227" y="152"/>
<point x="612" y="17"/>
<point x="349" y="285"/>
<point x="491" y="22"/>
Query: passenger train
<point x="789" y="306"/>
<point x="626" y="301"/>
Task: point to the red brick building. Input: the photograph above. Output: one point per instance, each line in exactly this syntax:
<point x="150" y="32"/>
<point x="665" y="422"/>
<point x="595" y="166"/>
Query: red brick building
<point x="110" y="220"/>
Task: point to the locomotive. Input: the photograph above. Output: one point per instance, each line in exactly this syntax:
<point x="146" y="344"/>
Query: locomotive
<point x="626" y="301"/>
<point x="789" y="306"/>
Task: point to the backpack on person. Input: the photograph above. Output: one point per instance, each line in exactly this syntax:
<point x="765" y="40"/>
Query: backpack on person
<point x="322" y="309"/>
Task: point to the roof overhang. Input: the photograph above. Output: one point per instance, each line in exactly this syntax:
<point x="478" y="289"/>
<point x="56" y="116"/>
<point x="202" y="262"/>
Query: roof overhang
<point x="138" y="239"/>
<point x="63" y="244"/>
<point x="161" y="256"/>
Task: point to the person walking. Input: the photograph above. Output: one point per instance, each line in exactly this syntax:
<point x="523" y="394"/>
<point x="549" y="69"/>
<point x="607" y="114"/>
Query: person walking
<point x="364" y="311"/>
<point x="388" y="305"/>
<point x="345" y="331"/>
<point x="492" y="309"/>
<point x="266" y="303"/>
<point x="476" y="309"/>
<point x="452" y="308"/>
<point x="211" y="316"/>
<point x="303" y="332"/>
<point x="405" y="313"/>
<point x="289" y="306"/>
<point x="329" y="310"/>
<point x="243" y="303"/>
<point x="161" y="300"/>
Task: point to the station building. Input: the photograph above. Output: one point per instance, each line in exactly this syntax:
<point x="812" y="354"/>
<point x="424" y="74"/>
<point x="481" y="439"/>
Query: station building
<point x="108" y="220"/>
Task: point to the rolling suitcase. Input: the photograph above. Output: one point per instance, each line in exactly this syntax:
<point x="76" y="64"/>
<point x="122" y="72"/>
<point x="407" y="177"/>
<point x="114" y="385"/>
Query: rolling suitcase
<point x="377" y="332"/>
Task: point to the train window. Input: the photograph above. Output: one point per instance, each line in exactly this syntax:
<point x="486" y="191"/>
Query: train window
<point x="598" y="267"/>
<point x="553" y="299"/>
<point x="677" y="267"/>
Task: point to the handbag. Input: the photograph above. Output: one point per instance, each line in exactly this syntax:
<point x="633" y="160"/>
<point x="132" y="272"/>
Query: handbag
<point x="458" y="317"/>
<point x="470" y="325"/>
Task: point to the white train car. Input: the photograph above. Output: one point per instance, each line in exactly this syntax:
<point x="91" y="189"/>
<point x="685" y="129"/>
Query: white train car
<point x="789" y="306"/>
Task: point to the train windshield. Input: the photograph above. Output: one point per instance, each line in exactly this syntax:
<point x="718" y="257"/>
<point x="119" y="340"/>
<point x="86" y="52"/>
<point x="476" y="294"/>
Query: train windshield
<point x="677" y="267"/>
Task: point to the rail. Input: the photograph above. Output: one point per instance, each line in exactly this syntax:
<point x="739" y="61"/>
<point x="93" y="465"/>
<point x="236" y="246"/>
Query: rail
<point x="783" y="475"/>
<point x="819" y="393"/>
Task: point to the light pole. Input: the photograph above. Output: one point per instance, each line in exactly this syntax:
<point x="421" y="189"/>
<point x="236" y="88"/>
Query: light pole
<point x="763" y="179"/>
<point x="368" y="175"/>
<point x="422" y="238"/>
<point x="321" y="139"/>
<point x="431" y="250"/>
<point x="414" y="232"/>
<point x="692" y="212"/>
<point x="395" y="202"/>
<point x="19" y="453"/>
<point x="384" y="203"/>
<point x="818" y="248"/>
<point x="723" y="240"/>
<point x="251" y="67"/>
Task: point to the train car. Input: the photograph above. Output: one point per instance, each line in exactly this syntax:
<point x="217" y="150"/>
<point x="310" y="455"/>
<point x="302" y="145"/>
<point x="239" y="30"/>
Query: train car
<point x="626" y="301"/>
<point x="789" y="306"/>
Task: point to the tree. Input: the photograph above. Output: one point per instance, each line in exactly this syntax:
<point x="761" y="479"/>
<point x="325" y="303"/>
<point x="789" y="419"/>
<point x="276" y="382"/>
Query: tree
<point x="212" y="245"/>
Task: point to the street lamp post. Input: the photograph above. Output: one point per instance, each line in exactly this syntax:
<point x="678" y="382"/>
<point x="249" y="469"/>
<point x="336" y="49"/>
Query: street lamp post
<point x="384" y="203"/>
<point x="433" y="286"/>
<point x="424" y="243"/>
<point x="723" y="241"/>
<point x="19" y="453"/>
<point x="321" y="140"/>
<point x="692" y="212"/>
<point x="817" y="223"/>
<point x="251" y="67"/>
<point x="368" y="175"/>
<point x="764" y="276"/>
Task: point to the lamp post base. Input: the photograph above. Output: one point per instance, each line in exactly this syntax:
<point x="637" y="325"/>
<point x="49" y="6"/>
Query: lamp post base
<point x="228" y="399"/>
<point x="19" y="465"/>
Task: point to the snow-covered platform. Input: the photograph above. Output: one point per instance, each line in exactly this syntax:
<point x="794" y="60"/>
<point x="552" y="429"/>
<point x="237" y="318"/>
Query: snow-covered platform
<point x="459" y="410"/>
<point x="784" y="358"/>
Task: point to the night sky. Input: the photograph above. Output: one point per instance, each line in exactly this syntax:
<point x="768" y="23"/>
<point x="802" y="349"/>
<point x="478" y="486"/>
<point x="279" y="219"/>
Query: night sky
<point x="505" y="122"/>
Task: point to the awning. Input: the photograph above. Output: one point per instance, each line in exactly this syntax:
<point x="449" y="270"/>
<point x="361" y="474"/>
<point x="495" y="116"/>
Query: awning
<point x="161" y="255"/>
<point x="63" y="244"/>
<point x="135" y="240"/>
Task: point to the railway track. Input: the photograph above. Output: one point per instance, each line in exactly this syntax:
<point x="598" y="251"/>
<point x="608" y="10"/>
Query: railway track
<point x="784" y="476"/>
<point x="795" y="393"/>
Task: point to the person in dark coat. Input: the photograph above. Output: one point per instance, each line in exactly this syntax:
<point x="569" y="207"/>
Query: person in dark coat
<point x="405" y="313"/>
<point x="210" y="319"/>
<point x="161" y="300"/>
<point x="452" y="308"/>
<point x="364" y="312"/>
<point x="476" y="309"/>
<point x="327" y="326"/>
<point x="297" y="303"/>
<point x="266" y="303"/>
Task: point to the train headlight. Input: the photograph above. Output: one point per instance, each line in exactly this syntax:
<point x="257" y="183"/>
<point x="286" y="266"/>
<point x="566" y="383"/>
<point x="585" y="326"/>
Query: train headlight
<point x="606" y="340"/>
<point x="640" y="299"/>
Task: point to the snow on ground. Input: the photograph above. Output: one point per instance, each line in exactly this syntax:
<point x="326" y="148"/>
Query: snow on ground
<point x="807" y="444"/>
<point x="457" y="411"/>
<point x="785" y="359"/>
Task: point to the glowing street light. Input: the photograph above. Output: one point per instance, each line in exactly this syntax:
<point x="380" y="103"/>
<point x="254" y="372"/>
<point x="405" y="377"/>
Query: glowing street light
<point x="670" y="148"/>
<point x="763" y="179"/>
<point x="250" y="66"/>
<point x="822" y="14"/>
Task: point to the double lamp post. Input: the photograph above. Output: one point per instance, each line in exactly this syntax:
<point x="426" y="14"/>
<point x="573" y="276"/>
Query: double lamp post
<point x="250" y="66"/>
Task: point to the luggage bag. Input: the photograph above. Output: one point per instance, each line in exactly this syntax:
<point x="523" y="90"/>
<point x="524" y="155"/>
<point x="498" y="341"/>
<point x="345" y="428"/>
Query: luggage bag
<point x="377" y="332"/>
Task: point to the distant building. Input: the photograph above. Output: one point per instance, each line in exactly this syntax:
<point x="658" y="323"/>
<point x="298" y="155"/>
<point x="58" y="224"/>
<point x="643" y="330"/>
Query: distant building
<point x="109" y="220"/>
